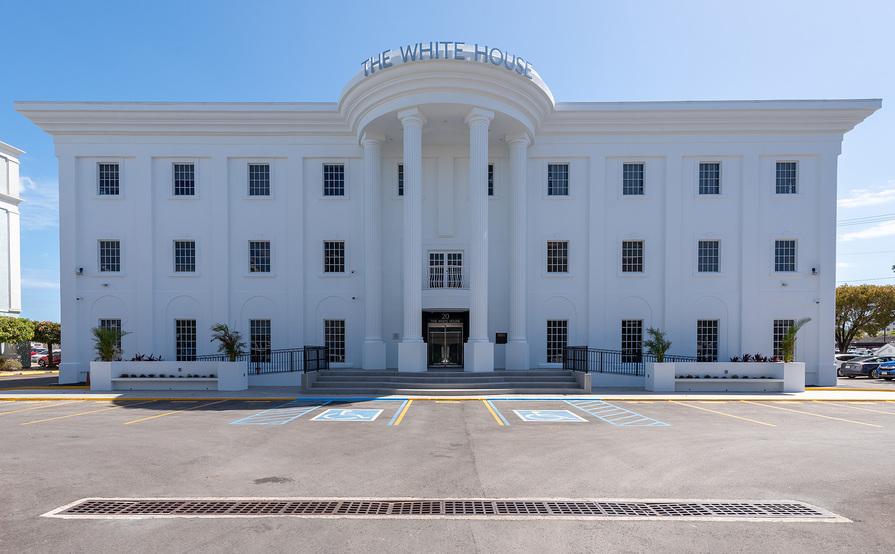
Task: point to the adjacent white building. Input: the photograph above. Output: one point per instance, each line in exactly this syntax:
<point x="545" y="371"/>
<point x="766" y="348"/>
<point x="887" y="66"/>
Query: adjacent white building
<point x="10" y="266"/>
<point x="447" y="211"/>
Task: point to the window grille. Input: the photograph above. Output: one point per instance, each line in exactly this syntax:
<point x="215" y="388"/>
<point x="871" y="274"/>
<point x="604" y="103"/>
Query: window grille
<point x="112" y="324"/>
<point x="632" y="179"/>
<point x="109" y="256"/>
<point x="333" y="256"/>
<point x="184" y="179"/>
<point x="557" y="179"/>
<point x="632" y="256"/>
<point x="709" y="178"/>
<point x="707" y="340"/>
<point x="632" y="341"/>
<point x="185" y="339"/>
<point x="490" y="179"/>
<point x="784" y="255"/>
<point x="333" y="180"/>
<point x="259" y="256"/>
<point x="557" y="256"/>
<point x="781" y="327"/>
<point x="557" y="339"/>
<point x="400" y="179"/>
<point x="259" y="179"/>
<point x="334" y="338"/>
<point x="787" y="177"/>
<point x="108" y="180"/>
<point x="708" y="256"/>
<point x="259" y="339"/>
<point x="445" y="270"/>
<point x="184" y="256"/>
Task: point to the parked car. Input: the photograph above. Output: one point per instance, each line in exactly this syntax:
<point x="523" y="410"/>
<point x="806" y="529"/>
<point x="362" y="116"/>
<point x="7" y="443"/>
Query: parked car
<point x="57" y="359"/>
<point x="36" y="353"/>
<point x="886" y="370"/>
<point x="864" y="368"/>
<point x="842" y="358"/>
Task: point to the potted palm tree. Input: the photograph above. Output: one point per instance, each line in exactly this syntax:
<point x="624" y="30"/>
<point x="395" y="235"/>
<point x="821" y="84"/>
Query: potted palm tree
<point x="107" y="343"/>
<point x="657" y="345"/>
<point x="230" y="342"/>
<point x="788" y="344"/>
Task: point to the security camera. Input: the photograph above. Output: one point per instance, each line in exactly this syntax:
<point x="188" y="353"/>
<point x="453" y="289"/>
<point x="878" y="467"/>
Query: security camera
<point x="80" y="271"/>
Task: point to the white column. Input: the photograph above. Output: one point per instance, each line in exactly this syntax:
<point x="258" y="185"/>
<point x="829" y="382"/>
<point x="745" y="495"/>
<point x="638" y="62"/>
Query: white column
<point x="518" y="356"/>
<point x="479" y="351"/>
<point x="374" y="346"/>
<point x="412" y="349"/>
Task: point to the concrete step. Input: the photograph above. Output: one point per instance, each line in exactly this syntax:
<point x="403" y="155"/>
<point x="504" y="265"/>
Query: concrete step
<point x="442" y="379"/>
<point x="457" y="373"/>
<point x="351" y="391"/>
<point x="450" y="385"/>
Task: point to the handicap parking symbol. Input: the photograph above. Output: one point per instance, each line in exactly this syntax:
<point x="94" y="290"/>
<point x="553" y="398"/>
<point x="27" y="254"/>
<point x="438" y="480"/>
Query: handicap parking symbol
<point x="549" y="416"/>
<point x="337" y="414"/>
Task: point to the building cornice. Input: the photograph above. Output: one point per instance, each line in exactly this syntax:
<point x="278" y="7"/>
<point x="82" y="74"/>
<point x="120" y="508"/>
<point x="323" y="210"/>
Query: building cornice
<point x="10" y="151"/>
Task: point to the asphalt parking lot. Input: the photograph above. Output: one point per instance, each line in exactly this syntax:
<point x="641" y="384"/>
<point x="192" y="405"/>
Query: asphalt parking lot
<point x="824" y="453"/>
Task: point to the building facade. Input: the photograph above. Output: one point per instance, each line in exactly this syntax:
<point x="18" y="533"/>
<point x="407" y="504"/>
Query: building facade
<point x="10" y="266"/>
<point x="448" y="212"/>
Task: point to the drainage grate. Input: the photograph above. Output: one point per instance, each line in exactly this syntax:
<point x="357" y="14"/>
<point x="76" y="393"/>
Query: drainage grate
<point x="114" y="508"/>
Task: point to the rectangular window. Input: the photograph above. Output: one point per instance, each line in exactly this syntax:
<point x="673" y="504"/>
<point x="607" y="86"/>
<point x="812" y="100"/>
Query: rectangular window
<point x="787" y="177"/>
<point x="557" y="256"/>
<point x="632" y="256"/>
<point x="632" y="341"/>
<point x="112" y="324"/>
<point x="709" y="178"/>
<point x="400" y="179"/>
<point x="334" y="256"/>
<point x="184" y="256"/>
<point x="334" y="338"/>
<point x="707" y="340"/>
<point x="557" y="339"/>
<point x="708" y="256"/>
<point x="259" y="256"/>
<point x="109" y="256"/>
<point x="490" y="179"/>
<point x="784" y="255"/>
<point x="445" y="270"/>
<point x="333" y="180"/>
<point x="185" y="339"/>
<point x="184" y="179"/>
<point x="108" y="182"/>
<point x="557" y="179"/>
<point x="259" y="179"/>
<point x="781" y="327"/>
<point x="259" y="339"/>
<point x="632" y="179"/>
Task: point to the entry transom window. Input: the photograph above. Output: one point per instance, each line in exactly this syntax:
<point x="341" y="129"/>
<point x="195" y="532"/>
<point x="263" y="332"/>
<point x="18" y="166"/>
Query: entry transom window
<point x="333" y="180"/>
<point x="185" y="339"/>
<point x="781" y="327"/>
<point x="334" y="256"/>
<point x="557" y="179"/>
<point x="557" y="256"/>
<point x="708" y="256"/>
<point x="114" y="324"/>
<point x="109" y="256"/>
<point x="787" y="177"/>
<point x="259" y="339"/>
<point x="709" y="178"/>
<point x="557" y="339"/>
<point x="632" y="256"/>
<point x="707" y="340"/>
<point x="632" y="340"/>
<point x="108" y="180"/>
<point x="445" y="270"/>
<point x="184" y="256"/>
<point x="490" y="179"/>
<point x="259" y="256"/>
<point x="784" y="255"/>
<point x="259" y="179"/>
<point x="184" y="179"/>
<point x="334" y="339"/>
<point x="400" y="179"/>
<point x="632" y="179"/>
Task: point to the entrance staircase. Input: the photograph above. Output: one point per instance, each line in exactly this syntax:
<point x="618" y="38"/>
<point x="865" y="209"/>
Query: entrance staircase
<point x="445" y="382"/>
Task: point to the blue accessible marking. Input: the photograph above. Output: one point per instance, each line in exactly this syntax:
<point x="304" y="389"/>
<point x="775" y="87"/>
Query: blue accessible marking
<point x="279" y="415"/>
<point x="615" y="415"/>
<point x="339" y="414"/>
<point x="549" y="416"/>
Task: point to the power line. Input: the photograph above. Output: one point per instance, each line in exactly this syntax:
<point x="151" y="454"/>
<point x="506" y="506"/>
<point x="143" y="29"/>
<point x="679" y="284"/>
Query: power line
<point x="881" y="218"/>
<point x="870" y="279"/>
<point x="864" y="253"/>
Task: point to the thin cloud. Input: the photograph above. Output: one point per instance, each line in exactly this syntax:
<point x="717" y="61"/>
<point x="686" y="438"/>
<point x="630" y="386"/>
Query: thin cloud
<point x="862" y="198"/>
<point x="40" y="204"/>
<point x="28" y="283"/>
<point x="879" y="230"/>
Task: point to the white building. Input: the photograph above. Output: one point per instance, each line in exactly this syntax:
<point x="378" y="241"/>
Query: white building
<point x="10" y="267"/>
<point x="442" y="203"/>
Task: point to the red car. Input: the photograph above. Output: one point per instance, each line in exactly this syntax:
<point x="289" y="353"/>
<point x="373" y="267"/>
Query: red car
<point x="57" y="359"/>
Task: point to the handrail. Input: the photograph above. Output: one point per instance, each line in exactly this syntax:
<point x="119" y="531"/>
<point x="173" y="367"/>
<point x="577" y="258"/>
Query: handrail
<point x="620" y="362"/>
<point x="280" y="360"/>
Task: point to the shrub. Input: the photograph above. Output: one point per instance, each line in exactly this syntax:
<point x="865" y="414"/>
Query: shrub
<point x="10" y="364"/>
<point x="657" y="345"/>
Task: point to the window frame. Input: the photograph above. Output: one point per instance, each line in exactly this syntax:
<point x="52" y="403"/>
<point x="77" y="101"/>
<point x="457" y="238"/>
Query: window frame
<point x="323" y="251"/>
<point x="120" y="167"/>
<point x="99" y="257"/>
<point x="270" y="256"/>
<point x="177" y="343"/>
<point x="714" y="350"/>
<point x="490" y="179"/>
<point x="642" y="192"/>
<point x="399" y="180"/>
<point x="344" y="166"/>
<point x="720" y="178"/>
<point x="796" y="184"/>
<point x="173" y="189"/>
<point x="267" y="346"/>
<point x="560" y="330"/>
<point x="102" y="324"/>
<point x="699" y="270"/>
<point x="270" y="179"/>
<point x="777" y="338"/>
<point x="621" y="258"/>
<point x="343" y="332"/>
<point x="795" y="256"/>
<point x="566" y="263"/>
<point x="174" y="269"/>
<point x="568" y="188"/>
<point x="631" y="354"/>
<point x="445" y="279"/>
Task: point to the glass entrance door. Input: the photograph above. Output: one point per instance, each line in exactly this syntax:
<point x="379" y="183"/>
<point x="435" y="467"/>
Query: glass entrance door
<point x="445" y="344"/>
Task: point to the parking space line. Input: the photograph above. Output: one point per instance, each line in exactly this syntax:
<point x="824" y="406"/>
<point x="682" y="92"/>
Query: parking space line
<point x="38" y="407"/>
<point x="32" y="422"/>
<point x="615" y="415"/>
<point x="813" y="414"/>
<point x="279" y="415"/>
<point x="678" y="402"/>
<point x="399" y="415"/>
<point x="495" y="413"/>
<point x="163" y="414"/>
<point x="857" y="408"/>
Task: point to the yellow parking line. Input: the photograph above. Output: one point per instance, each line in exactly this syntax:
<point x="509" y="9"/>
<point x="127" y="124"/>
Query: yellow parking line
<point x="813" y="414"/>
<point x="38" y="407"/>
<point x="862" y="409"/>
<point x="81" y="413"/>
<point x="493" y="414"/>
<point x="403" y="412"/>
<point x="722" y="413"/>
<point x="163" y="414"/>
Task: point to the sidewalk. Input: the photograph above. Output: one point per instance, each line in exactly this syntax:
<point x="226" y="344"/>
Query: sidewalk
<point x="291" y="393"/>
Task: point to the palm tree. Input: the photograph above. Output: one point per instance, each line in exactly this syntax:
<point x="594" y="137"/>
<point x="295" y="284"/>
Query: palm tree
<point x="788" y="344"/>
<point x="229" y="342"/>
<point x="107" y="343"/>
<point x="657" y="344"/>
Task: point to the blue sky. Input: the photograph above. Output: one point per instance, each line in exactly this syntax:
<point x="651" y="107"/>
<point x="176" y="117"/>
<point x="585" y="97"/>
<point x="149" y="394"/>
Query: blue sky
<point x="589" y="50"/>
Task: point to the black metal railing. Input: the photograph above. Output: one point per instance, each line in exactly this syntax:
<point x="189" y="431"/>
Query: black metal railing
<point x="283" y="360"/>
<point x="621" y="362"/>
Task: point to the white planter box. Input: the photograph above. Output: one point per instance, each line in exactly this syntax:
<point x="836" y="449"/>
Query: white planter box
<point x="719" y="376"/>
<point x="221" y="376"/>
